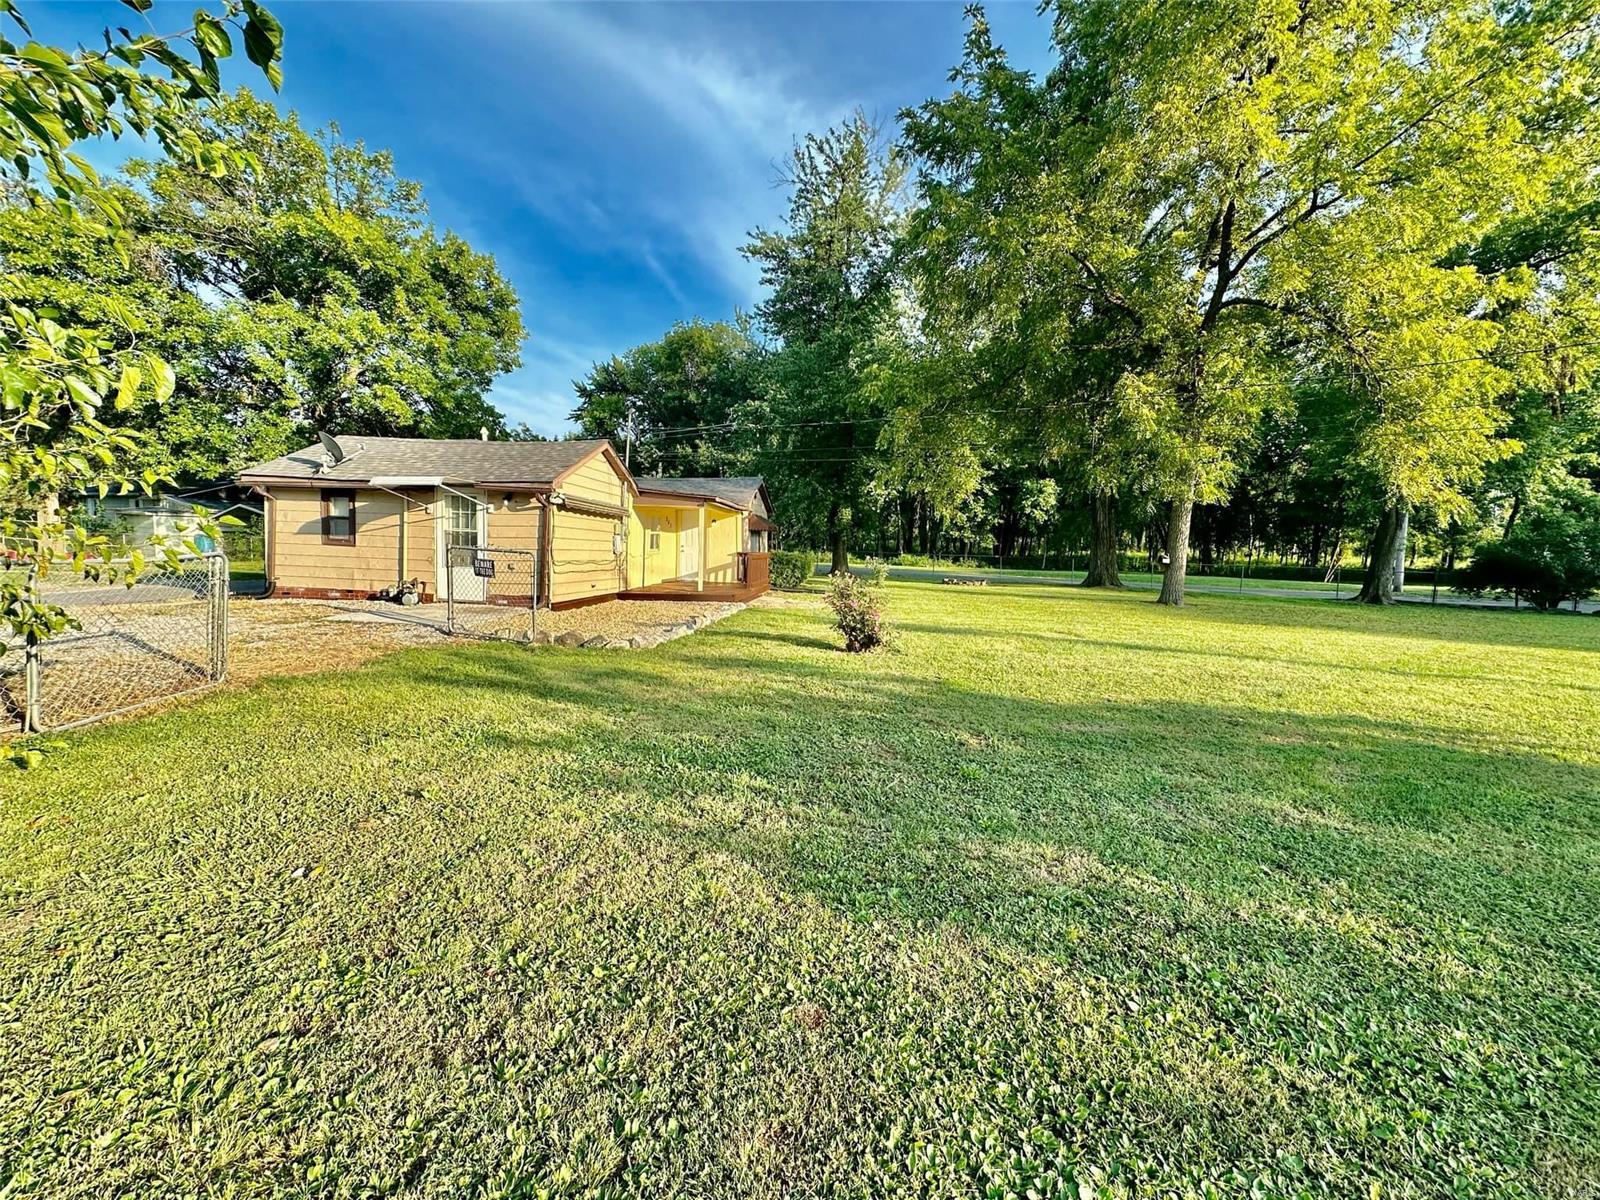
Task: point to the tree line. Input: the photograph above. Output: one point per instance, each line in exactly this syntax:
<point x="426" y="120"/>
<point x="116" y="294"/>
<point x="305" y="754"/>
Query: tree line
<point x="1314" y="278"/>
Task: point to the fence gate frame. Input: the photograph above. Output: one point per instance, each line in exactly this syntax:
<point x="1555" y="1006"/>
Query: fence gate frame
<point x="216" y="632"/>
<point x="485" y="564"/>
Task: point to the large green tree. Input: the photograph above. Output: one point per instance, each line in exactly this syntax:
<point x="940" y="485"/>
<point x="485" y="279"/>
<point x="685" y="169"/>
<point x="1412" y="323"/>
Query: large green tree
<point x="1254" y="186"/>
<point x="676" y="405"/>
<point x="381" y="324"/>
<point x="57" y="379"/>
<point x="303" y="290"/>
<point x="831" y="306"/>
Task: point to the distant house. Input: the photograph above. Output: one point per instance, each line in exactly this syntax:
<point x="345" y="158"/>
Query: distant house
<point x="357" y="516"/>
<point x="170" y="516"/>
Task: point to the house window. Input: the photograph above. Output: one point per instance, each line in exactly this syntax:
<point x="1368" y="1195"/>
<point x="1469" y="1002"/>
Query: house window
<point x="339" y="518"/>
<point x="655" y="540"/>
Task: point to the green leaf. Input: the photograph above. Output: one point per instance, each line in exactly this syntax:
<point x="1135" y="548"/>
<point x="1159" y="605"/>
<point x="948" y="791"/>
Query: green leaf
<point x="82" y="394"/>
<point x="211" y="36"/>
<point x="127" y="386"/>
<point x="10" y="9"/>
<point x="165" y="380"/>
<point x="263" y="37"/>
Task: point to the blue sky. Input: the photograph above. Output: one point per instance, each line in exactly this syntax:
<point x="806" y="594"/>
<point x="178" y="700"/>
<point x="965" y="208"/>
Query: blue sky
<point x="610" y="157"/>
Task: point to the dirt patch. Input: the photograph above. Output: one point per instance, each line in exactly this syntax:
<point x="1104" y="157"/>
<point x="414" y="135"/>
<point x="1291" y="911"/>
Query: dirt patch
<point x="297" y="637"/>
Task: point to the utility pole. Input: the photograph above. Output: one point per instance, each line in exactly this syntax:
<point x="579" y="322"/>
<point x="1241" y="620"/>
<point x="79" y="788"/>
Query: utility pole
<point x="630" y="430"/>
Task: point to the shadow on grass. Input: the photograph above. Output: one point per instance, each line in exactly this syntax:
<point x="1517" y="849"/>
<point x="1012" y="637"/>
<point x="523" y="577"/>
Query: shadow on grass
<point x="1365" y="901"/>
<point x="1331" y="863"/>
<point x="1198" y="792"/>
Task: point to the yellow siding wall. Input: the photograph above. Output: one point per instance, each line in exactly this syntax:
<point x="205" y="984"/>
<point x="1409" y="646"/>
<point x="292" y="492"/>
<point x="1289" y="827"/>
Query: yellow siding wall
<point x="647" y="566"/>
<point x="724" y="540"/>
<point x="582" y="564"/>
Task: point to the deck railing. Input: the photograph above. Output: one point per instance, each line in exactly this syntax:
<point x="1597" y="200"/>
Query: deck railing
<point x="753" y="570"/>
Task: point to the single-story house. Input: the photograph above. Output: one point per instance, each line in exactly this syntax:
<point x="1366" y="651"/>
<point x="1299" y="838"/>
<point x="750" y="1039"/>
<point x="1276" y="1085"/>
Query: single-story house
<point x="356" y="517"/>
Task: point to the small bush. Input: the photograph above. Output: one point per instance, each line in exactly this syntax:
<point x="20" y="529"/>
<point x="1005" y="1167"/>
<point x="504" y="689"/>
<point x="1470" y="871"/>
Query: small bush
<point x="1553" y="555"/>
<point x="789" y="569"/>
<point x="857" y="613"/>
<point x="877" y="572"/>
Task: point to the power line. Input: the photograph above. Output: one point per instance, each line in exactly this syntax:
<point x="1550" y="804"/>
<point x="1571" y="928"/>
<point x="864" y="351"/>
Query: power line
<point x="1045" y="407"/>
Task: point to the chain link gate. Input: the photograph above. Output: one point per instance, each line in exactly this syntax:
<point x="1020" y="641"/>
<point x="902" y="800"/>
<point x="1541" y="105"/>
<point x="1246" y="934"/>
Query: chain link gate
<point x="141" y="638"/>
<point x="491" y="592"/>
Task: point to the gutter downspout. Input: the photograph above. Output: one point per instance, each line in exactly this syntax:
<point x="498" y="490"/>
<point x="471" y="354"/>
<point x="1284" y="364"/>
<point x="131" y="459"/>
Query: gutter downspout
<point x="269" y="540"/>
<point x="546" y="515"/>
<point x="405" y="524"/>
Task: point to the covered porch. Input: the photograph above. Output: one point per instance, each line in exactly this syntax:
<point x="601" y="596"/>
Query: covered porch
<point x="691" y="547"/>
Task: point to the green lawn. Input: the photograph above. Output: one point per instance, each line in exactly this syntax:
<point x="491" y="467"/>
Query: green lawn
<point x="1067" y="895"/>
<point x="1349" y="583"/>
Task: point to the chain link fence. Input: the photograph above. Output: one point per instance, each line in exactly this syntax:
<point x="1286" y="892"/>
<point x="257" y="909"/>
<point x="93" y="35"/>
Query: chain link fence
<point x="148" y="635"/>
<point x="491" y="592"/>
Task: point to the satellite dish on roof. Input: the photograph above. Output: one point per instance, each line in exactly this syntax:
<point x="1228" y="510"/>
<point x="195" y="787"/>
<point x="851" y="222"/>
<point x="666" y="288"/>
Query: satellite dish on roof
<point x="331" y="448"/>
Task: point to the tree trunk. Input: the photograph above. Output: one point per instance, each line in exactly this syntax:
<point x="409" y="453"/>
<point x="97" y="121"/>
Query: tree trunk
<point x="1377" y="587"/>
<point x="1511" y="519"/>
<point x="1177" y="552"/>
<point x="1102" y="568"/>
<point x="1401" y="536"/>
<point x="841" y="559"/>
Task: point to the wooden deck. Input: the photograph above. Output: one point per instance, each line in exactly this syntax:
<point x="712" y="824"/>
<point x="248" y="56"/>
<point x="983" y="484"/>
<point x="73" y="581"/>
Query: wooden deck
<point x="753" y="581"/>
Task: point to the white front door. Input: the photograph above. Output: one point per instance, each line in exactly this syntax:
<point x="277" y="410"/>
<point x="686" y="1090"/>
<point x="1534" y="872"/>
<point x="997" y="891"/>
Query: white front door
<point x="688" y="545"/>
<point x="463" y="521"/>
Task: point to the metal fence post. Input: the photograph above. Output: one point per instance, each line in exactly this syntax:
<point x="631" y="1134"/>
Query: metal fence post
<point x="217" y="577"/>
<point x="33" y="697"/>
<point x="450" y="559"/>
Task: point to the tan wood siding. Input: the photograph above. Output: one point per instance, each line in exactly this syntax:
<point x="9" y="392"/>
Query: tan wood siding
<point x="514" y="524"/>
<point x="302" y="559"/>
<point x="597" y="479"/>
<point x="582" y="564"/>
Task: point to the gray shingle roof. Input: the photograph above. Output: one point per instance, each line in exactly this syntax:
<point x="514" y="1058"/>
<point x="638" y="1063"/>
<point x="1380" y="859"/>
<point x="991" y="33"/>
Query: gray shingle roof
<point x="738" y="490"/>
<point x="460" y="461"/>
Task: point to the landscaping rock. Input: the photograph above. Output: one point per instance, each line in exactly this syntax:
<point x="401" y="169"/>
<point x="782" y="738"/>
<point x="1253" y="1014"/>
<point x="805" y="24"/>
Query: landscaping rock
<point x="597" y="642"/>
<point x="541" y="637"/>
<point x="570" y="638"/>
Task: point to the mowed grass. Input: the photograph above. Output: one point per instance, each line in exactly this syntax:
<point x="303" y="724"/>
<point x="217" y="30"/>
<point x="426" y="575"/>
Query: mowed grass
<point x="1067" y="895"/>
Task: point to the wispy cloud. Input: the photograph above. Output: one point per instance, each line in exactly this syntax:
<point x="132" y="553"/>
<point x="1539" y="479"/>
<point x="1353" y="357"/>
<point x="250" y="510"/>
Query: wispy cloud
<point x="734" y="116"/>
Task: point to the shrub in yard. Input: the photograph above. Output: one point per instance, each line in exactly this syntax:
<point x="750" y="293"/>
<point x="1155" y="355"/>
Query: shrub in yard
<point x="789" y="569"/>
<point x="877" y="572"/>
<point x="1552" y="555"/>
<point x="857" y="613"/>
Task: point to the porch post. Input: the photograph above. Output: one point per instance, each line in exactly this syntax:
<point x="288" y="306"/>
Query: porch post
<point x="700" y="581"/>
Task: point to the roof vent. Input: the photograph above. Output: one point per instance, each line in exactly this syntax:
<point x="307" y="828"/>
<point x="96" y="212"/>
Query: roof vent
<point x="483" y="433"/>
